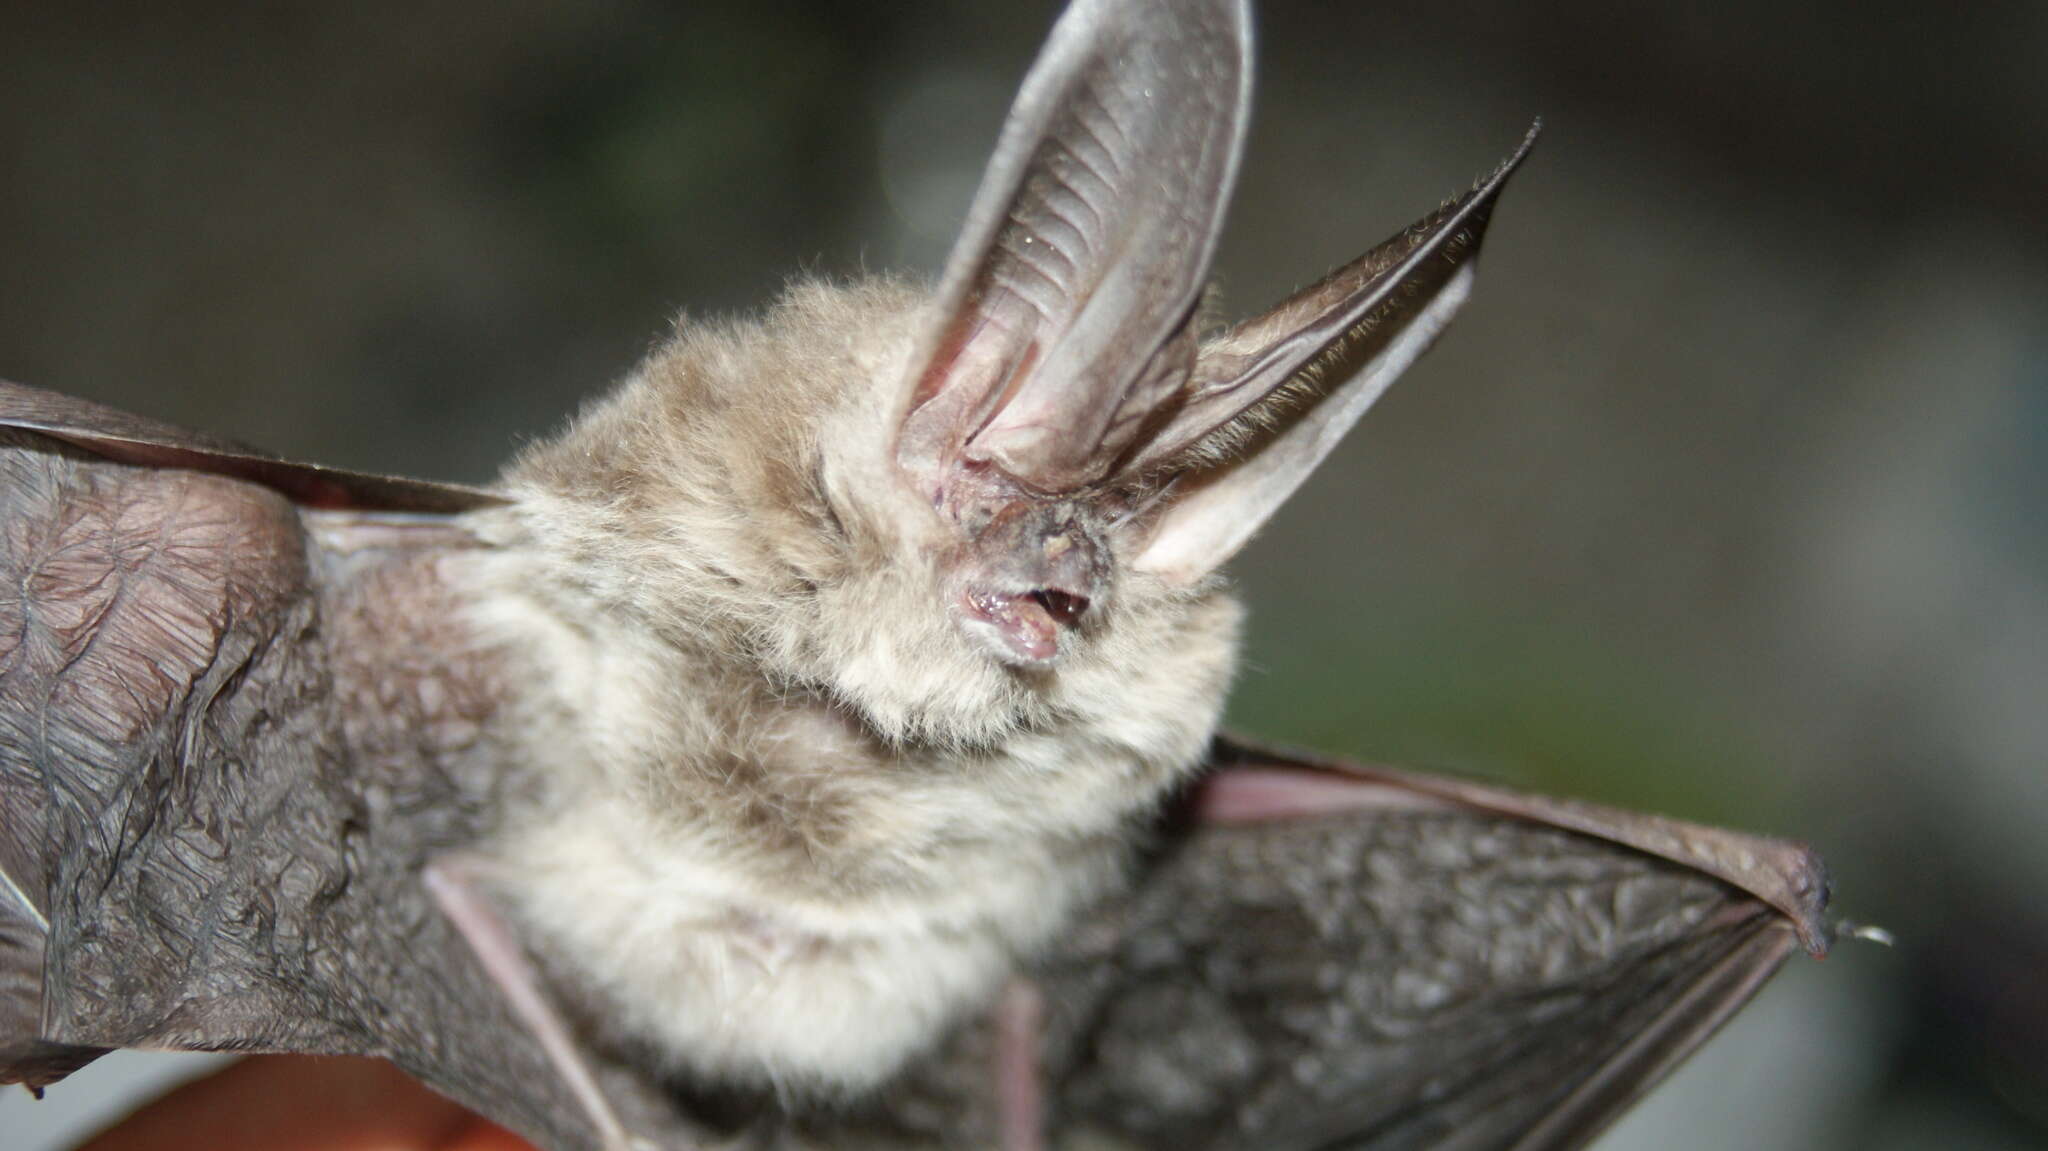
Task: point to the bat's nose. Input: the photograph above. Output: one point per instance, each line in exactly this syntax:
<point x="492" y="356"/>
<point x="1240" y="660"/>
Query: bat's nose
<point x="1066" y="568"/>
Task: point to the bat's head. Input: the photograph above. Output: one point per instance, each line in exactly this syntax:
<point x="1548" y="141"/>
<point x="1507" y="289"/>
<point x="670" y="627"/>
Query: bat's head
<point x="949" y="509"/>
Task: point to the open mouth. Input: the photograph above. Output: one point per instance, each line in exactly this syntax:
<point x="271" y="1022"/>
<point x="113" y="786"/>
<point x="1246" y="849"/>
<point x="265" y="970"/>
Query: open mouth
<point x="1023" y="628"/>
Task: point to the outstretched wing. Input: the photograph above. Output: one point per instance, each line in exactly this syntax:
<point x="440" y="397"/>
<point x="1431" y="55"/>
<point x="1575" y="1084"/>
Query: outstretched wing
<point x="133" y="604"/>
<point x="233" y="729"/>
<point x="1323" y="955"/>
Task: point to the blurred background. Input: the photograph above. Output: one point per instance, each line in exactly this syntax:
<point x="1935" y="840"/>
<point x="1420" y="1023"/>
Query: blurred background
<point x="1727" y="496"/>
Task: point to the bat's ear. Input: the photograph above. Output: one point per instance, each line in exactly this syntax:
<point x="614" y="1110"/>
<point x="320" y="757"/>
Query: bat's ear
<point x="1233" y="457"/>
<point x="1063" y="317"/>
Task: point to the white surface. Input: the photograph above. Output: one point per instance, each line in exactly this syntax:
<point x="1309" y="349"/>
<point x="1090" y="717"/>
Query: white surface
<point x="1788" y="1073"/>
<point x="94" y="1097"/>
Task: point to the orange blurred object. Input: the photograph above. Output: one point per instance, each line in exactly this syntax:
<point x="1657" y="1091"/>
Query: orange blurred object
<point x="305" y="1103"/>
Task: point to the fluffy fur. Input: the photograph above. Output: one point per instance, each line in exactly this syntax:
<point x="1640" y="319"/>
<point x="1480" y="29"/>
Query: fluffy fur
<point x="792" y="820"/>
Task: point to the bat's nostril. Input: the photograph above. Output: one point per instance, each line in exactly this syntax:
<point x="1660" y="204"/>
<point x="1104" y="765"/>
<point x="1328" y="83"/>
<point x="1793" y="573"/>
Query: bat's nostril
<point x="1064" y="607"/>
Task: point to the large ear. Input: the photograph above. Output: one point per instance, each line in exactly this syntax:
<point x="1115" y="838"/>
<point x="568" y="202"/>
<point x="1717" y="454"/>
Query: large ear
<point x="1063" y="314"/>
<point x="1349" y="336"/>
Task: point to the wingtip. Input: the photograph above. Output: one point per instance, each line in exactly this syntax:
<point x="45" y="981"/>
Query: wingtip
<point x="1804" y="899"/>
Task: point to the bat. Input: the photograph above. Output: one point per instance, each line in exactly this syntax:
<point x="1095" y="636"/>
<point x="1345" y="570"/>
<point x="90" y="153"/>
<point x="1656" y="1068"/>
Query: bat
<point x="815" y="743"/>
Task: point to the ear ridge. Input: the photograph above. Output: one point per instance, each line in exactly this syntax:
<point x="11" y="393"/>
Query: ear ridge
<point x="1087" y="246"/>
<point x="1380" y="312"/>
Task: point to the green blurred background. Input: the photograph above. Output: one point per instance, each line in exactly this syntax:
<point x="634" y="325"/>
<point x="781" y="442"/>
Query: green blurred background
<point x="1727" y="496"/>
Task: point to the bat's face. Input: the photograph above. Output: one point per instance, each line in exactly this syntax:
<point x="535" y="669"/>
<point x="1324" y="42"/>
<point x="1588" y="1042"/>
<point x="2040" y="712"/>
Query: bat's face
<point x="966" y="512"/>
<point x="745" y="496"/>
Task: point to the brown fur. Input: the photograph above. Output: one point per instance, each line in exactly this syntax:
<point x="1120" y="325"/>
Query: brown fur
<point x="855" y="642"/>
<point x="732" y="616"/>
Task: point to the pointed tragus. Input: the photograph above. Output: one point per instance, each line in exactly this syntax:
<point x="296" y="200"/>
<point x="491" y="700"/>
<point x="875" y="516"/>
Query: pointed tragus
<point x="1064" y="408"/>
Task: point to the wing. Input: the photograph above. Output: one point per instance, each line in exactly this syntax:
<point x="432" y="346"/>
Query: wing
<point x="1323" y="955"/>
<point x="131" y="439"/>
<point x="134" y="600"/>
<point x="233" y="729"/>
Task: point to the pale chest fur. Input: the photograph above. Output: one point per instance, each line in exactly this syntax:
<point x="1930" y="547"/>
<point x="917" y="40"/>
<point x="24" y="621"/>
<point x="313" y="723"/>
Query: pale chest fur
<point x="731" y="977"/>
<point x="774" y="896"/>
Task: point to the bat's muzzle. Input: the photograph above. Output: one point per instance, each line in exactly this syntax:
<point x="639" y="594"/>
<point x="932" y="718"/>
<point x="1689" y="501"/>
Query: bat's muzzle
<point x="1037" y="573"/>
